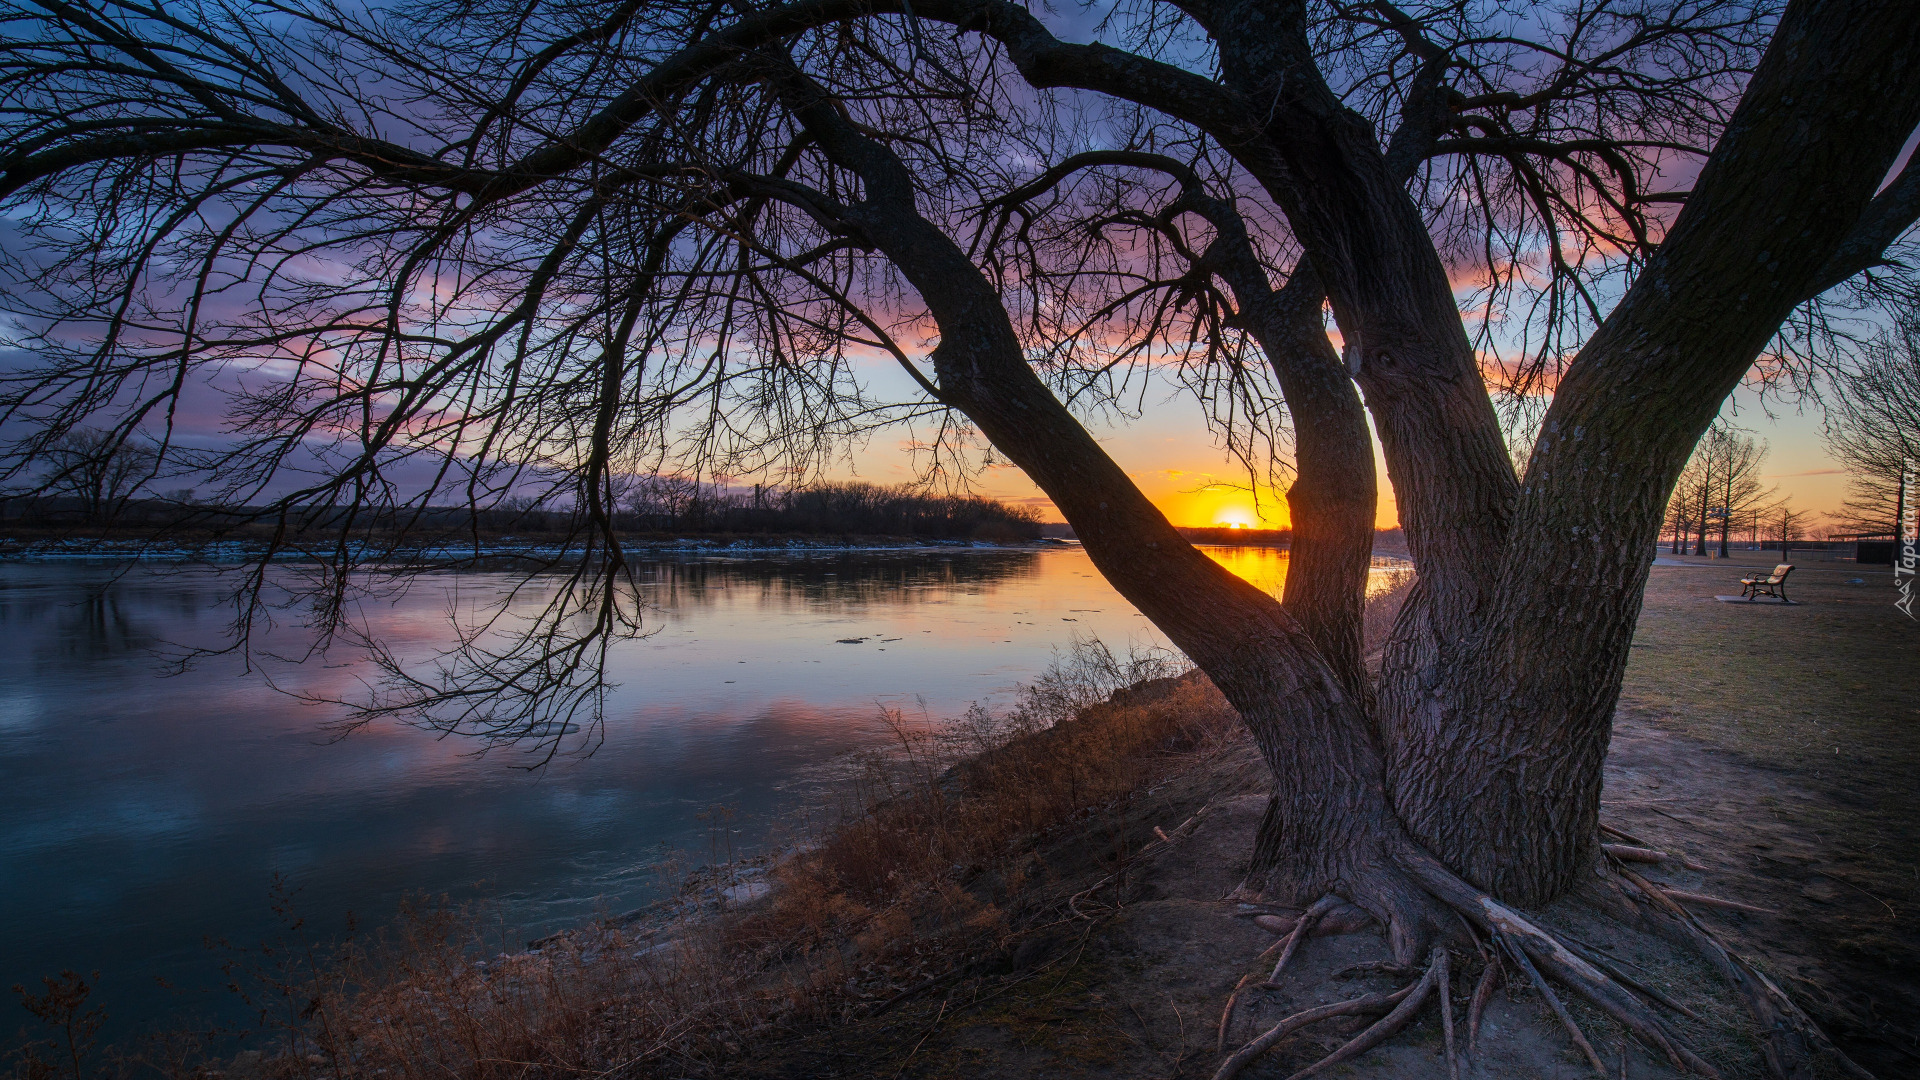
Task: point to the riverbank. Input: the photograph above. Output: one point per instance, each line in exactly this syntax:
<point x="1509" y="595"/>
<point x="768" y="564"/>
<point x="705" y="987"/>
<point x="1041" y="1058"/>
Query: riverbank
<point x="1774" y="747"/>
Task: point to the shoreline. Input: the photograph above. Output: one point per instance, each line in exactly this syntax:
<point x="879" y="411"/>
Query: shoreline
<point x="229" y="551"/>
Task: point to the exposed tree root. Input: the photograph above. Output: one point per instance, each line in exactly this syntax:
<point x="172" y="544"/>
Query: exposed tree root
<point x="1545" y="958"/>
<point x="1592" y="956"/>
<point x="1622" y="834"/>
<point x="1444" y="980"/>
<point x="1482" y="993"/>
<point x="1384" y="967"/>
<point x="1387" y="1025"/>
<point x="1226" y="1014"/>
<point x="1556" y="961"/>
<point x="1291" y="943"/>
<point x="1403" y="1003"/>
<point x="1579" y="1037"/>
<point x="1702" y="900"/>
<point x="1342" y="918"/>
<point x="1641" y="854"/>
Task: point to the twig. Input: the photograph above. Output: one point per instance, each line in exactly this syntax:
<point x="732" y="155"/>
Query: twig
<point x="923" y="1038"/>
<point x="1891" y="913"/>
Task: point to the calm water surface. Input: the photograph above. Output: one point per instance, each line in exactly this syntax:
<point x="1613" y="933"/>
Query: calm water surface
<point x="141" y="815"/>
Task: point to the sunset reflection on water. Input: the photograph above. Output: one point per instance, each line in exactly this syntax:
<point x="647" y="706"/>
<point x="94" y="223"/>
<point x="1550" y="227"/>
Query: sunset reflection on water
<point x="139" y="814"/>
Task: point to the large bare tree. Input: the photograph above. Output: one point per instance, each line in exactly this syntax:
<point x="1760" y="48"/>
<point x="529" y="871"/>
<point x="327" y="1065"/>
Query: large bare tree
<point x="561" y="243"/>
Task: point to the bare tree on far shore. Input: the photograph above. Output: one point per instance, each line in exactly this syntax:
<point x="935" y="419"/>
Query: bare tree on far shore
<point x="1873" y="426"/>
<point x="1787" y="523"/>
<point x="1719" y="487"/>
<point x="102" y="469"/>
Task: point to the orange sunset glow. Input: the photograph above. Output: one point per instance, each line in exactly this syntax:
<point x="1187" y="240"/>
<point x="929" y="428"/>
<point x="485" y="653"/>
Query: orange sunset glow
<point x="1177" y="464"/>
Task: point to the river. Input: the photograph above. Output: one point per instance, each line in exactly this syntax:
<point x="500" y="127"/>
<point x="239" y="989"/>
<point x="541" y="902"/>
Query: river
<point x="142" y="815"/>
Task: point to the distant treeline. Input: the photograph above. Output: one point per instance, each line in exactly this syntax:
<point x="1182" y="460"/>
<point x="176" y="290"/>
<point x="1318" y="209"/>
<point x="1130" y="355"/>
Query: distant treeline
<point x="1385" y="541"/>
<point x="672" y="504"/>
<point x="650" y="505"/>
<point x="1221" y="534"/>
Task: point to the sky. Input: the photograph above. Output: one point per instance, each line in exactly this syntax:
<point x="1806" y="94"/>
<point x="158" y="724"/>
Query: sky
<point x="1170" y="454"/>
<point x="1179" y="464"/>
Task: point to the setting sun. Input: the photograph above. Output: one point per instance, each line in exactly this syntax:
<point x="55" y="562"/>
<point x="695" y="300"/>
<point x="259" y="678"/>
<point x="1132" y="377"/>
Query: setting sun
<point x="1236" y="517"/>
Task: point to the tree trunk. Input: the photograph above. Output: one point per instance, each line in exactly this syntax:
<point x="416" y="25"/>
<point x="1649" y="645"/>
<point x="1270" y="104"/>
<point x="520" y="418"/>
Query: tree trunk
<point x="1726" y="515"/>
<point x="1498" y="771"/>
<point x="1333" y="498"/>
<point x="1706" y="497"/>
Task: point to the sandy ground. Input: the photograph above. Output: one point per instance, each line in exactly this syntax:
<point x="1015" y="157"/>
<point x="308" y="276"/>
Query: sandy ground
<point x="1777" y="746"/>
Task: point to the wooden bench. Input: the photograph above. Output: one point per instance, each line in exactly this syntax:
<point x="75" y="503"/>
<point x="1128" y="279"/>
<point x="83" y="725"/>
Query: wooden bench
<point x="1774" y="584"/>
